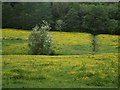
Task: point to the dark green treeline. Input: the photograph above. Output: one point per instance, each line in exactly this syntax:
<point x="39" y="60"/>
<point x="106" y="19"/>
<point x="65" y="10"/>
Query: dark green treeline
<point x="95" y="18"/>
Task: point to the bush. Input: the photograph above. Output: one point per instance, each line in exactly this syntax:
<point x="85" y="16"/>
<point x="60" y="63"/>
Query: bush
<point x="40" y="42"/>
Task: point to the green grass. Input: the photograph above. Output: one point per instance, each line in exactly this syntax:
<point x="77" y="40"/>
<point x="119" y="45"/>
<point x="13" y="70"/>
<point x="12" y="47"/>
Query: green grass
<point x="72" y="71"/>
<point x="16" y="42"/>
<point x="74" y="66"/>
<point x="108" y="43"/>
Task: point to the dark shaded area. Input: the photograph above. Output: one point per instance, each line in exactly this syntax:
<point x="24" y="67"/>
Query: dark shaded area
<point x="94" y="18"/>
<point x="25" y="15"/>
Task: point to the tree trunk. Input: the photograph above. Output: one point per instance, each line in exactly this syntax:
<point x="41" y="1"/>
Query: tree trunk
<point x="94" y="43"/>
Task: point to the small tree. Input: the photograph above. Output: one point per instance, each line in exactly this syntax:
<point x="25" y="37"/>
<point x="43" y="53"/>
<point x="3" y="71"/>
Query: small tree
<point x="40" y="42"/>
<point x="59" y="24"/>
<point x="96" y="22"/>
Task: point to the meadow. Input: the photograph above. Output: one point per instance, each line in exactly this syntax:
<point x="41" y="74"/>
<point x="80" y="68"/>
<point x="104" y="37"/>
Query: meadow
<point x="65" y="43"/>
<point x="74" y="64"/>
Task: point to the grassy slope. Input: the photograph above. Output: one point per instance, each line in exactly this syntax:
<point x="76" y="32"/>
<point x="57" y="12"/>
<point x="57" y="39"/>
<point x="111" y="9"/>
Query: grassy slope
<point x="16" y="42"/>
<point x="86" y="70"/>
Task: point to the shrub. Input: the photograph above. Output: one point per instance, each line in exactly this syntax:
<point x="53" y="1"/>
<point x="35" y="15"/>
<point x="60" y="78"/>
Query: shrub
<point x="40" y="42"/>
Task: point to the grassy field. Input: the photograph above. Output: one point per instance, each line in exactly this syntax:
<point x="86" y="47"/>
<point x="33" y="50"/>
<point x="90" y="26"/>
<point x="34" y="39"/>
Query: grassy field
<point x="16" y="42"/>
<point x="60" y="71"/>
<point x="74" y="66"/>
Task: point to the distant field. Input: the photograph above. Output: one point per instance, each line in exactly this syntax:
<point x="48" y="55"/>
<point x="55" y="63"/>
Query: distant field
<point x="16" y="42"/>
<point x="74" y="66"/>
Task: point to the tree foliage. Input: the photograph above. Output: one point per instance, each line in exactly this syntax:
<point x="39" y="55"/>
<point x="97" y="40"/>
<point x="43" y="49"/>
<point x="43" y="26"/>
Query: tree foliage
<point x="28" y="14"/>
<point x="96" y="20"/>
<point x="71" y="21"/>
<point x="76" y="16"/>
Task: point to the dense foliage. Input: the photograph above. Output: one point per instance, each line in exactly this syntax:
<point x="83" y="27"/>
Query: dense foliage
<point x="94" y="18"/>
<point x="71" y="21"/>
